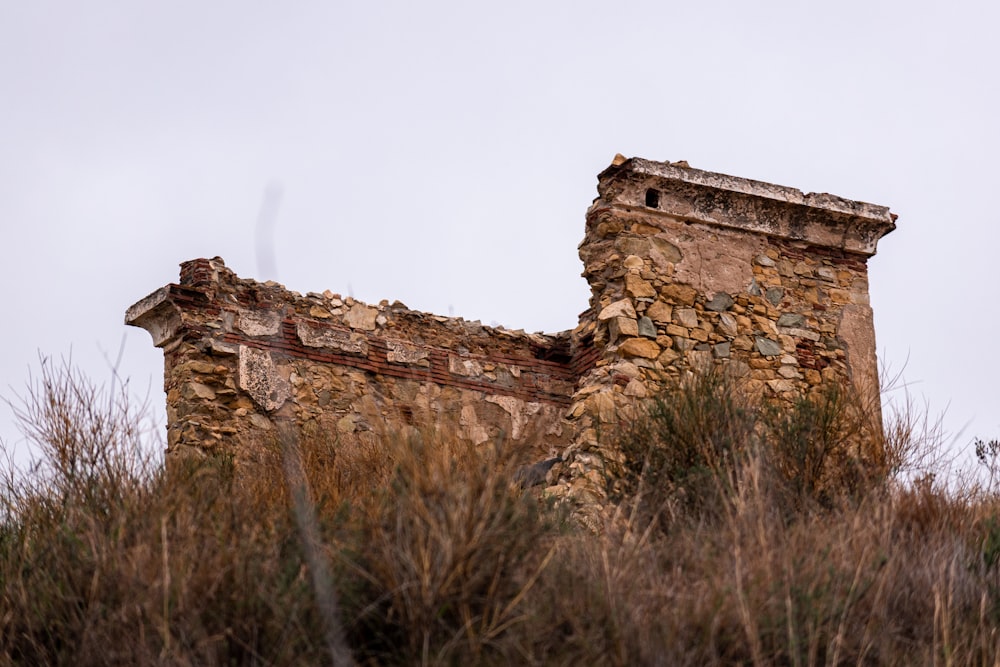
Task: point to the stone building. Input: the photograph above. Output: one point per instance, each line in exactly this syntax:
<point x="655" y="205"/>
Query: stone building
<point x="687" y="268"/>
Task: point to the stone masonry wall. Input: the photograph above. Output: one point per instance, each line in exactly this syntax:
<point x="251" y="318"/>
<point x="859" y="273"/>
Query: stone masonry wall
<point x="240" y="354"/>
<point x="687" y="268"/>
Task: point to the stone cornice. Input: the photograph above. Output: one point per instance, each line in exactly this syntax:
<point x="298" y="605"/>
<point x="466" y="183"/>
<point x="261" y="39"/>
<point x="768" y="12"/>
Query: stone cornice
<point x="718" y="199"/>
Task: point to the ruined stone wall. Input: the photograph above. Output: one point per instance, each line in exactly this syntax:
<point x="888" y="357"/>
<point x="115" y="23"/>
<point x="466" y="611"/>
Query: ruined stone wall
<point x="687" y="269"/>
<point x="239" y="355"/>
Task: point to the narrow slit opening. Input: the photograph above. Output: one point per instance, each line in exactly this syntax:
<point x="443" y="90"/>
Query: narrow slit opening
<point x="652" y="198"/>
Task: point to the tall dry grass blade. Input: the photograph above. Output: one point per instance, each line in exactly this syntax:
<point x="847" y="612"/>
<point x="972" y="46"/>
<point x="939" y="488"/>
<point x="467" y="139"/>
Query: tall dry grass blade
<point x="750" y="628"/>
<point x="166" y="588"/>
<point x="304" y="511"/>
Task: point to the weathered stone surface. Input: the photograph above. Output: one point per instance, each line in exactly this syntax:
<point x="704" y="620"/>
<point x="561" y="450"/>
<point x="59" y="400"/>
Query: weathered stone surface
<point x="464" y="367"/>
<point x="259" y="322"/>
<point x="791" y="320"/>
<point x="699" y="360"/>
<point x="774" y="295"/>
<point x="258" y="377"/>
<point x="627" y="368"/>
<point x="314" y="335"/>
<point x="347" y="424"/>
<point x="727" y="324"/>
<point x="198" y="390"/>
<point x="404" y="353"/>
<point x="361" y="317"/>
<point x="205" y="368"/>
<point x="621" y="308"/>
<point x="763" y="260"/>
<point x="660" y="312"/>
<point x="682" y="295"/>
<point x="635" y="389"/>
<point x="789" y="372"/>
<point x="677" y="330"/>
<point x="646" y="327"/>
<point x="667" y="357"/>
<point x="639" y="347"/>
<point x="827" y="273"/>
<point x="686" y="317"/>
<point x="602" y="405"/>
<point x="683" y="343"/>
<point x="802" y="333"/>
<point x="665" y="252"/>
<point x="623" y="327"/>
<point x="633" y="262"/>
<point x="720" y="302"/>
<point x="767" y="347"/>
<point x="157" y="314"/>
<point x="637" y="287"/>
<point x="632" y="245"/>
<point x="765" y="324"/>
<point x="519" y="411"/>
<point x="781" y="386"/>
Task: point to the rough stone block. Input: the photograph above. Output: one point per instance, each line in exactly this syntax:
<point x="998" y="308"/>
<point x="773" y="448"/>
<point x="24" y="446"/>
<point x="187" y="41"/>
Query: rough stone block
<point x="686" y="317"/>
<point x="720" y="302"/>
<point x="637" y="287"/>
<point x="620" y="308"/>
<point x="623" y="327"/>
<point x="361" y="317"/>
<point x="681" y="295"/>
<point x="767" y="347"/>
<point x="659" y="312"/>
<point x="639" y="347"/>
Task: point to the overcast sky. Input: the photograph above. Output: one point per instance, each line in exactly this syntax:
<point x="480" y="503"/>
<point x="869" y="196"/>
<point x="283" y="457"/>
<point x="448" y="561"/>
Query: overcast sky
<point x="444" y="154"/>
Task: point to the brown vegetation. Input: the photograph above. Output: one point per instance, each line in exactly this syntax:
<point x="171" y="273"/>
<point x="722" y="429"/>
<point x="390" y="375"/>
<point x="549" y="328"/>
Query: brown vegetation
<point x="742" y="534"/>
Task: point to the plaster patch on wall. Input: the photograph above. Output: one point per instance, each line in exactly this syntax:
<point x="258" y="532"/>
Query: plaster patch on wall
<point x="518" y="410"/>
<point x="465" y="367"/>
<point x="315" y="335"/>
<point x="259" y="322"/>
<point x="260" y="379"/>
<point x="718" y="262"/>
<point x="361" y="317"/>
<point x="858" y="333"/>
<point x="469" y="421"/>
<point x="402" y="353"/>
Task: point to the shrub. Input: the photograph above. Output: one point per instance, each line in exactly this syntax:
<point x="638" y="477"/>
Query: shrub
<point x="684" y="444"/>
<point x="454" y="547"/>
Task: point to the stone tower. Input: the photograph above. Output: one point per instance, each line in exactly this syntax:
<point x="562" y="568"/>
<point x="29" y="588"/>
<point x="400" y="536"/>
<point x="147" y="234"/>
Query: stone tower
<point x="690" y="268"/>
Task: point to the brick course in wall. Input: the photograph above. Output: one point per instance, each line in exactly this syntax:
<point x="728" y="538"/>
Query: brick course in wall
<point x="687" y="268"/>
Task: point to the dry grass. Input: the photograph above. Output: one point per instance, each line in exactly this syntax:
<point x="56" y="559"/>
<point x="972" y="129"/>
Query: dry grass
<point x="745" y="535"/>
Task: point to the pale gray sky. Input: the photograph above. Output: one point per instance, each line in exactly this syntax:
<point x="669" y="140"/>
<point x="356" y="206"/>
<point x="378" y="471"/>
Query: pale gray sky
<point x="444" y="154"/>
